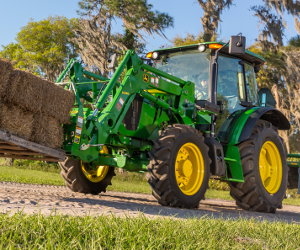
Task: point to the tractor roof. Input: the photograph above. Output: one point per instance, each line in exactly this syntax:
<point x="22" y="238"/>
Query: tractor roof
<point x="248" y="56"/>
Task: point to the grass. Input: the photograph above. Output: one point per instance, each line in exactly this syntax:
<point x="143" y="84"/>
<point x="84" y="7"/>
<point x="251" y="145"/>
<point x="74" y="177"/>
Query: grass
<point x="131" y="182"/>
<point x="64" y="232"/>
<point x="29" y="176"/>
<point x="32" y="165"/>
<point x="122" y="184"/>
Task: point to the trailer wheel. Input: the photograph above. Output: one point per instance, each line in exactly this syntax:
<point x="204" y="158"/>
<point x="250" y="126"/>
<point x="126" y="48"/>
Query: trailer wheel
<point x="179" y="167"/>
<point x="81" y="177"/>
<point x="265" y="171"/>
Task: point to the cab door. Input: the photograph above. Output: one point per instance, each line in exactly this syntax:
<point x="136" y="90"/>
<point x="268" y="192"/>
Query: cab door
<point x="231" y="91"/>
<point x="251" y="85"/>
<point x="231" y="83"/>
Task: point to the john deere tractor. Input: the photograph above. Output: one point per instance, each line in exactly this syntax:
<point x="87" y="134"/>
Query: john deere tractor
<point x="183" y="115"/>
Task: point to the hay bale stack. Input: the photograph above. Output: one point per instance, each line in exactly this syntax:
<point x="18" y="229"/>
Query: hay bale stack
<point x="47" y="131"/>
<point x="34" y="94"/>
<point x="33" y="108"/>
<point x="26" y="91"/>
<point x="57" y="102"/>
<point x="5" y="72"/>
<point x="16" y="120"/>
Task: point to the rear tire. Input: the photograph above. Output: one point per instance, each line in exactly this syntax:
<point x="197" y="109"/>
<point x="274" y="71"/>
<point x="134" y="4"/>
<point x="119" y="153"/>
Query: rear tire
<point x="174" y="176"/>
<point x="265" y="171"/>
<point x="75" y="179"/>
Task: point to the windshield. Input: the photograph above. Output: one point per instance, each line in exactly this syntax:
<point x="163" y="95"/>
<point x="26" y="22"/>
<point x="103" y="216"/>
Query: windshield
<point x="191" y="66"/>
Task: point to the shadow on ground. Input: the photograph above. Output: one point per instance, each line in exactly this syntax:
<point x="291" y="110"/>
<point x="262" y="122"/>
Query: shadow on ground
<point x="207" y="208"/>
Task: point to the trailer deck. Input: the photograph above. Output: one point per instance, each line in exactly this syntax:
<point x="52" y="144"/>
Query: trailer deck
<point x="293" y="160"/>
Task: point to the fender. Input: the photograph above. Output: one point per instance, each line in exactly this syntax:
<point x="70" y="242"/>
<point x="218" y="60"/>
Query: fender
<point x="239" y="125"/>
<point x="238" y="128"/>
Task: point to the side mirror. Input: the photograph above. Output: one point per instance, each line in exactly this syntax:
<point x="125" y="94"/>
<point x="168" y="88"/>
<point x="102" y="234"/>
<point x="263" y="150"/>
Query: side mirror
<point x="266" y="98"/>
<point x="237" y="45"/>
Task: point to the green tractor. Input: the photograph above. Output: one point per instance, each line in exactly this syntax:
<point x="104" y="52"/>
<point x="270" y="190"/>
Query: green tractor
<point x="183" y="115"/>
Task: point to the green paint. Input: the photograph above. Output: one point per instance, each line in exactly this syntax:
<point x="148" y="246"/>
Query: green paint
<point x="231" y="150"/>
<point x="109" y="102"/>
<point x="102" y="105"/>
<point x="238" y="126"/>
<point x="293" y="160"/>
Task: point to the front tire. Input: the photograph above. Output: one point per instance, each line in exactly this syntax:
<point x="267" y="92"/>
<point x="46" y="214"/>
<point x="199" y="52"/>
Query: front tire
<point x="179" y="167"/>
<point x="79" y="179"/>
<point x="265" y="171"/>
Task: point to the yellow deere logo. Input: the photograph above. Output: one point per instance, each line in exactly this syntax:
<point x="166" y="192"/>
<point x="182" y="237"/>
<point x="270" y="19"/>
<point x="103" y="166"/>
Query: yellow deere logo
<point x="146" y="78"/>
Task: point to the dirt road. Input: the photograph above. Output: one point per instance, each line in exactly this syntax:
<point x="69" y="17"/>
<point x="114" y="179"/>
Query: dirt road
<point x="48" y="200"/>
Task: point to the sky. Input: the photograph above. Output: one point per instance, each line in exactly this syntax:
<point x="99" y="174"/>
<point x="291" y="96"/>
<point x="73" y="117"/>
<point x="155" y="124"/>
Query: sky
<point x="14" y="14"/>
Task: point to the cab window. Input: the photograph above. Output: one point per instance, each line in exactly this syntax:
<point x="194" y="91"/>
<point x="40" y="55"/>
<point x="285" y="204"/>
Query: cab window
<point x="251" y="84"/>
<point x="231" y="86"/>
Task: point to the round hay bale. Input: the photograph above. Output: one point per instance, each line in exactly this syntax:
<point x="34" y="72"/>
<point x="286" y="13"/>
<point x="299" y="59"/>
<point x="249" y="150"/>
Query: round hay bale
<point x="47" y="131"/>
<point x="16" y="121"/>
<point x="5" y="72"/>
<point x="25" y="91"/>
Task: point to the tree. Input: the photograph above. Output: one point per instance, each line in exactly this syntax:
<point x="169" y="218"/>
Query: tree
<point x="95" y="38"/>
<point x="281" y="73"/>
<point x="43" y="47"/>
<point x="273" y="28"/>
<point x="137" y="16"/>
<point x="297" y="24"/>
<point x="187" y="40"/>
<point x="295" y="41"/>
<point x="212" y="16"/>
<point x="290" y="6"/>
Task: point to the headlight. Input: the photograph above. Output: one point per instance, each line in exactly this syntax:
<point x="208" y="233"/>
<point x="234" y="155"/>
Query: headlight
<point x="155" y="55"/>
<point x="152" y="55"/>
<point x="202" y="48"/>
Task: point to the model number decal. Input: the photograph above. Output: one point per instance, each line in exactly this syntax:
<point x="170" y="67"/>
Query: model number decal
<point x="78" y="130"/>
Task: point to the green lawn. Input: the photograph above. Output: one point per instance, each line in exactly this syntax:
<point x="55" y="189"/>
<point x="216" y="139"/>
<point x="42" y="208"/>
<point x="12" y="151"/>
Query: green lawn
<point x="124" y="183"/>
<point x="14" y="174"/>
<point x="22" y="231"/>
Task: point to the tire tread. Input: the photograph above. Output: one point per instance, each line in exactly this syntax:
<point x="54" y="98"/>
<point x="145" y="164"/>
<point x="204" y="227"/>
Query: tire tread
<point x="247" y="194"/>
<point x="77" y="182"/>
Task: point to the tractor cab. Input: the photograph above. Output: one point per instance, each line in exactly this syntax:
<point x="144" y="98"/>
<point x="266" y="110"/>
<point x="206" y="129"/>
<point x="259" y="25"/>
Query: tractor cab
<point x="234" y="75"/>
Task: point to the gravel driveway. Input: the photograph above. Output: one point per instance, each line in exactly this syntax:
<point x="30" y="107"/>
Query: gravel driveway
<point x="48" y="200"/>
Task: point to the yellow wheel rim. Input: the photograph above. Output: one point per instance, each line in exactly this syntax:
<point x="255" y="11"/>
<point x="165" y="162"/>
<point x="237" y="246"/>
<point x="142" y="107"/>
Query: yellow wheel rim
<point x="270" y="167"/>
<point x="189" y="169"/>
<point x="95" y="174"/>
